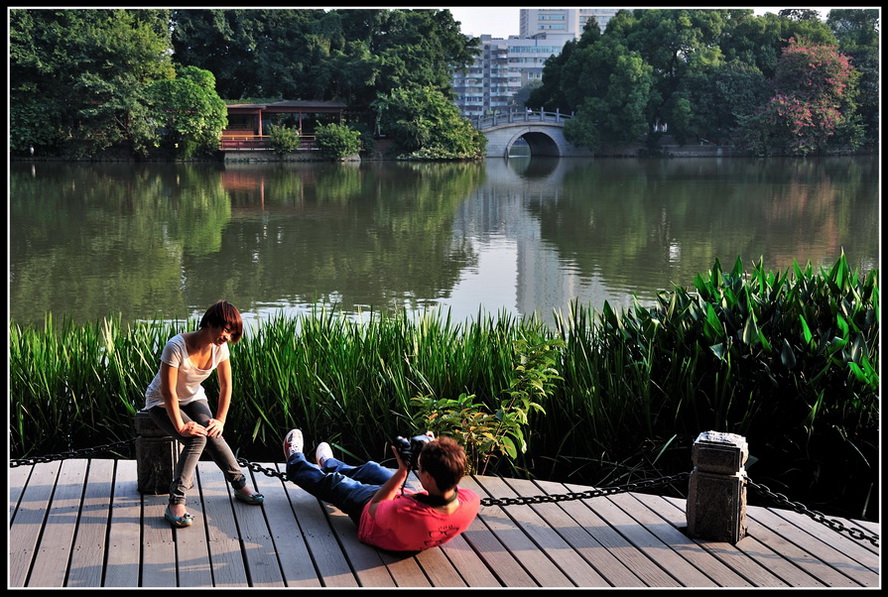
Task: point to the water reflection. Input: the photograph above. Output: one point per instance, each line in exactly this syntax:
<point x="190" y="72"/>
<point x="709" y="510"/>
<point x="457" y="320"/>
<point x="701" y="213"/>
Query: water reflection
<point x="522" y="235"/>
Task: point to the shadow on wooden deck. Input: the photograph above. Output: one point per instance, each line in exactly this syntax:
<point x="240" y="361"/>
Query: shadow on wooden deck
<point x="83" y="523"/>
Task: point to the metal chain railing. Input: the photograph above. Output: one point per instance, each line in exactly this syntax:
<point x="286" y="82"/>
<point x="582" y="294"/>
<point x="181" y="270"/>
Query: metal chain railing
<point x="14" y="462"/>
<point x="835" y="525"/>
<point x="646" y="484"/>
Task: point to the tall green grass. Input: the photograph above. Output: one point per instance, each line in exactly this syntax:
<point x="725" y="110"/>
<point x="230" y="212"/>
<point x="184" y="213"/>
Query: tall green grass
<point x="787" y="359"/>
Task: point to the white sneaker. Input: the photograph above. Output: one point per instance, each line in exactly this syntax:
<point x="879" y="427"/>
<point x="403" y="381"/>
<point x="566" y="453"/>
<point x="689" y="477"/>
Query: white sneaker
<point x="322" y="453"/>
<point x="292" y="443"/>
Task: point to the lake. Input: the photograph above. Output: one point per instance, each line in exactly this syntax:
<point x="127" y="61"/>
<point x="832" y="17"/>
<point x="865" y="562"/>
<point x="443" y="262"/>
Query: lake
<point x="520" y="236"/>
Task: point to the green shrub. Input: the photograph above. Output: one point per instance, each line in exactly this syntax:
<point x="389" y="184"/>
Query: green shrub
<point x="283" y="139"/>
<point x="337" y="141"/>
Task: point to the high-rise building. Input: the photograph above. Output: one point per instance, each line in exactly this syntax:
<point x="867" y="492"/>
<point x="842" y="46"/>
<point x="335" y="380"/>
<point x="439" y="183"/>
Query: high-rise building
<point x="561" y="20"/>
<point x="503" y="67"/>
<point x="506" y="65"/>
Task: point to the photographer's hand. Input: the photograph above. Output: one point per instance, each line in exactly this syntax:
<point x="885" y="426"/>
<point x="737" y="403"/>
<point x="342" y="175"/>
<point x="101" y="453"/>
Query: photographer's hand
<point x="390" y="488"/>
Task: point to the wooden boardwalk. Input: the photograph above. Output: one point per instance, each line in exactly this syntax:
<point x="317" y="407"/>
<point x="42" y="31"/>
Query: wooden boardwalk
<point x="83" y="523"/>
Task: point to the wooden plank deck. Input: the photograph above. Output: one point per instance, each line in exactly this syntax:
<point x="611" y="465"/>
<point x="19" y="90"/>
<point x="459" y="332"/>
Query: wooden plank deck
<point x="83" y="523"/>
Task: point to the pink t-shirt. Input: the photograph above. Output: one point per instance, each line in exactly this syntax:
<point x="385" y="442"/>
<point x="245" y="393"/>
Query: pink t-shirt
<point x="406" y="524"/>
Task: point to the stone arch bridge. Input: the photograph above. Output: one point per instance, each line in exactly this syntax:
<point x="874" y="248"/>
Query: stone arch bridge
<point x="543" y="131"/>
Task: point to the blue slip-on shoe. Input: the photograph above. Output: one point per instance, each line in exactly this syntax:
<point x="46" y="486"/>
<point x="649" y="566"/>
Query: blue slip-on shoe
<point x="255" y="500"/>
<point x="178" y="521"/>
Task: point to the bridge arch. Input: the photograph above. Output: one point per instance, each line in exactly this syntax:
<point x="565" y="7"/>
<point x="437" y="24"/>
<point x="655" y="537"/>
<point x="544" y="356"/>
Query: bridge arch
<point x="541" y="144"/>
<point x="544" y="133"/>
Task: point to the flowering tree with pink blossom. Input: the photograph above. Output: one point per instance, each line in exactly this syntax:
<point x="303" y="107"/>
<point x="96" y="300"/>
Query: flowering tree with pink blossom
<point x="814" y="91"/>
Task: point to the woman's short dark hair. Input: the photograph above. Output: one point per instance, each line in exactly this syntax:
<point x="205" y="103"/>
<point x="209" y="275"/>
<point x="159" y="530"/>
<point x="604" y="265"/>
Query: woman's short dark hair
<point x="445" y="460"/>
<point x="223" y="314"/>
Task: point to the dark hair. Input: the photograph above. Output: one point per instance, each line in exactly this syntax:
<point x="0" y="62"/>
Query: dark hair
<point x="444" y="460"/>
<point x="223" y="314"/>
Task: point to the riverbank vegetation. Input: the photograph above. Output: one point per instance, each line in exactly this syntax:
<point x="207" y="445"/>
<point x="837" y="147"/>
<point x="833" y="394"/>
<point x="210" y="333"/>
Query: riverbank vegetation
<point x="778" y="84"/>
<point x="788" y="360"/>
<point x="148" y="82"/>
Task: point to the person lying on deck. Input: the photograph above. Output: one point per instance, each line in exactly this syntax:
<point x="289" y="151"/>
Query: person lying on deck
<point x="388" y="515"/>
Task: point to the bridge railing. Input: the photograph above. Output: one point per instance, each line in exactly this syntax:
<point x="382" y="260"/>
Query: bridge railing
<point x="518" y="116"/>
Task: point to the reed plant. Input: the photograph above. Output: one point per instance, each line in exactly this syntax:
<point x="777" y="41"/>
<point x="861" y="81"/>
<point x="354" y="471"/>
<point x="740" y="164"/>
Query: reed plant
<point x="787" y="359"/>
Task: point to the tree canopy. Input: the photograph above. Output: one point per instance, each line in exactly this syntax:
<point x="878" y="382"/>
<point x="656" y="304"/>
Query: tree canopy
<point x="709" y="74"/>
<point x="346" y="55"/>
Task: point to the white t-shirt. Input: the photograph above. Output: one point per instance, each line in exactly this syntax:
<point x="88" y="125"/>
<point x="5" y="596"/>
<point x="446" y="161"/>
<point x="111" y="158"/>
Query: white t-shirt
<point x="188" y="388"/>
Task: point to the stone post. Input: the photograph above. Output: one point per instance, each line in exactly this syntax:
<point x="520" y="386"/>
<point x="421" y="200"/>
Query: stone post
<point x="716" y="507"/>
<point x="157" y="455"/>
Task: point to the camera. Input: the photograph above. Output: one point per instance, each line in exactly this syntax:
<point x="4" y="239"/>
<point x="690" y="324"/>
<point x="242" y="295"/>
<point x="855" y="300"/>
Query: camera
<point x="409" y="449"/>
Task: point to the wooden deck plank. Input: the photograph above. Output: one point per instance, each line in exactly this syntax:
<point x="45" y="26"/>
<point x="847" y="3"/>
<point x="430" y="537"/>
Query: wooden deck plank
<point x="858" y="550"/>
<point x="366" y="562"/>
<point x="50" y="562"/>
<point x="681" y="544"/>
<point x="256" y="542"/>
<point x="644" y="540"/>
<point x="193" y="562"/>
<point x="539" y="529"/>
<point x="27" y="525"/>
<point x="824" y="559"/>
<point x="756" y="574"/>
<point x="508" y="571"/>
<point x="293" y="555"/>
<point x="15" y="482"/>
<point x="569" y="517"/>
<point x="619" y="545"/>
<point x="468" y="564"/>
<point x="755" y="546"/>
<point x="543" y="571"/>
<point x="87" y="558"/>
<point x="83" y="523"/>
<point x="331" y="564"/>
<point x="440" y="571"/>
<point x="158" y="544"/>
<point x="223" y="543"/>
<point x="122" y="568"/>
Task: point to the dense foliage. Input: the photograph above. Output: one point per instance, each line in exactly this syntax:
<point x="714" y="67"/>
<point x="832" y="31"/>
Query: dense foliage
<point x="88" y="80"/>
<point x="338" y="140"/>
<point x="722" y="76"/>
<point x="84" y="81"/>
<point x="425" y="124"/>
<point x="789" y="359"/>
<point x="347" y="55"/>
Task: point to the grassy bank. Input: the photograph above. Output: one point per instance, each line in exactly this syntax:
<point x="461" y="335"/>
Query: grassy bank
<point x="787" y="359"/>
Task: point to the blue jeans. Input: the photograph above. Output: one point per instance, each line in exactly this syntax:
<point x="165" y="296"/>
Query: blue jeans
<point x="198" y="411"/>
<point x="347" y="487"/>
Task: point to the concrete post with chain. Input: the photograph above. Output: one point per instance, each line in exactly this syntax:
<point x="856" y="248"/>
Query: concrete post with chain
<point x="157" y="454"/>
<point x="716" y="506"/>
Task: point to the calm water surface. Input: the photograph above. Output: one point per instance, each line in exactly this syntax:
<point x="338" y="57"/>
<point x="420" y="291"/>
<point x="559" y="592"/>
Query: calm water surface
<point x="523" y="236"/>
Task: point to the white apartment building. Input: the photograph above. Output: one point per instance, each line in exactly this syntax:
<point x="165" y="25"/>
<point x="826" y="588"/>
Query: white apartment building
<point x="503" y="67"/>
<point x="561" y="20"/>
<point x="506" y="65"/>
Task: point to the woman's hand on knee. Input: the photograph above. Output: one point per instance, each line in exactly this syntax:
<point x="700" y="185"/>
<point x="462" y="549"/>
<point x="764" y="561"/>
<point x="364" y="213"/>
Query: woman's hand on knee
<point x="191" y="429"/>
<point x="214" y="427"/>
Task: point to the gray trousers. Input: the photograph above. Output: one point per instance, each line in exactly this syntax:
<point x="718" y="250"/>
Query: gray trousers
<point x="199" y="412"/>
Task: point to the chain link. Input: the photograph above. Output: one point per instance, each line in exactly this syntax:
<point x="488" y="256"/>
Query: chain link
<point x="646" y="484"/>
<point x="564" y="497"/>
<point x="835" y="525"/>
<point x="14" y="462"/>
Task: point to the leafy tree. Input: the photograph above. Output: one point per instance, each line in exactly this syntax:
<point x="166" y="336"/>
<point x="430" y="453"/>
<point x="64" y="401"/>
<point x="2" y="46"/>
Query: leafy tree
<point x="78" y="77"/>
<point x="426" y="124"/>
<point x="857" y="32"/>
<point x="346" y="55"/>
<point x="815" y="86"/>
<point x="720" y="94"/>
<point x="191" y="112"/>
<point x="618" y="115"/>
